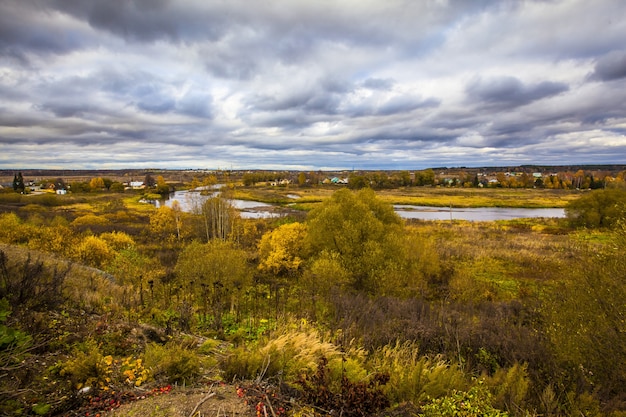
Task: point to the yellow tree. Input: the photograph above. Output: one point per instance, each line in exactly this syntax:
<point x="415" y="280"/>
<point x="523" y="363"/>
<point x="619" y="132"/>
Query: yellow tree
<point x="96" y="184"/>
<point x="165" y="222"/>
<point x="281" y="249"/>
<point x="213" y="273"/>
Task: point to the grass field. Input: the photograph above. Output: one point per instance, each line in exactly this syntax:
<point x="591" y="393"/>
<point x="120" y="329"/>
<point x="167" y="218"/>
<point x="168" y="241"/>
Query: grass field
<point x="424" y="196"/>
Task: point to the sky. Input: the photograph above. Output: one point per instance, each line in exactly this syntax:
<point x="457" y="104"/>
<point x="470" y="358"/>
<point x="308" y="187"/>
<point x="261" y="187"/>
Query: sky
<point x="311" y="84"/>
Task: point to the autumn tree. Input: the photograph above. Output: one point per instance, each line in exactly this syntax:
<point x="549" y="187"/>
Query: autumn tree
<point x="161" y="186"/>
<point x="166" y="222"/>
<point x="96" y="184"/>
<point x="215" y="273"/>
<point x="301" y="179"/>
<point x="362" y="230"/>
<point x="599" y="208"/>
<point x="281" y="249"/>
<point x="94" y="251"/>
<point x="218" y="217"/>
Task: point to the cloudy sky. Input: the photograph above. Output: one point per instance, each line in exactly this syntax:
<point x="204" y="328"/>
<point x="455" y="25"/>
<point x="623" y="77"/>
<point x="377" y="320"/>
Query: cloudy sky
<point x="311" y="84"/>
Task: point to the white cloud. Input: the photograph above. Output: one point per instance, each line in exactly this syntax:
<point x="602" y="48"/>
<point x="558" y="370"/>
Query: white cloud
<point x="369" y="84"/>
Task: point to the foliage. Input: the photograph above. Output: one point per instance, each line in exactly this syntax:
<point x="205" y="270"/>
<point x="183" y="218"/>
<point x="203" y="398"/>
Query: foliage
<point x="362" y="229"/>
<point x="95" y="251"/>
<point x="353" y="399"/>
<point x="118" y="240"/>
<point x="586" y="319"/>
<point x="12" y="229"/>
<point x="473" y="403"/>
<point x="601" y="208"/>
<point x="172" y="363"/>
<point x="281" y="249"/>
<point x="413" y="377"/>
<point x="90" y="220"/>
<point x="89" y="368"/>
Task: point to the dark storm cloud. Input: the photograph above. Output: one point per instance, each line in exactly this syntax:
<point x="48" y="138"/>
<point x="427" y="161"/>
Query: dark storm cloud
<point x="510" y="91"/>
<point x="144" y="20"/>
<point x="610" y="67"/>
<point x="23" y="29"/>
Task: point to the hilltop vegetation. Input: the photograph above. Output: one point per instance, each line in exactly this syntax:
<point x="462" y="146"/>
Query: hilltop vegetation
<point x="342" y="307"/>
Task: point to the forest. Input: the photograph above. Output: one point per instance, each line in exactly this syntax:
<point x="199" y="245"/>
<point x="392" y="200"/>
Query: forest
<point x="337" y="306"/>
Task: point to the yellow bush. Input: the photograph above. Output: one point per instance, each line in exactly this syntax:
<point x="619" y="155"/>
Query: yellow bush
<point x="89" y="368"/>
<point x="94" y="251"/>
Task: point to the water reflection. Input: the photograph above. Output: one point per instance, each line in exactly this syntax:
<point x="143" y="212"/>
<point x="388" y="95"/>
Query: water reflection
<point x="474" y="214"/>
<point x="191" y="200"/>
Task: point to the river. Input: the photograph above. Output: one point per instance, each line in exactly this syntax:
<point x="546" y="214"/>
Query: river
<point x="188" y="200"/>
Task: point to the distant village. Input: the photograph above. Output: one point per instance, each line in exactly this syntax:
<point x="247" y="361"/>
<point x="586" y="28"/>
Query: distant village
<point x="550" y="177"/>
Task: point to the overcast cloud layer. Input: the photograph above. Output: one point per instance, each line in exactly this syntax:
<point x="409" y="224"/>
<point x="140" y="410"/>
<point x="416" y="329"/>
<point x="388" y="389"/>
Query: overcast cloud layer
<point x="311" y="84"/>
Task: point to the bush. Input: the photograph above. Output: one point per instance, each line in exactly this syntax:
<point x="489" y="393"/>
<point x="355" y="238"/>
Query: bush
<point x="474" y="403"/>
<point x="602" y="208"/>
<point x="289" y="355"/>
<point x="172" y="363"/>
<point x="89" y="368"/>
<point x="414" y="378"/>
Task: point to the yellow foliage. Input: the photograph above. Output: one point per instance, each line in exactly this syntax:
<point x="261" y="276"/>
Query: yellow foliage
<point x="280" y="249"/>
<point x="94" y="251"/>
<point x="89" y="220"/>
<point x="118" y="240"/>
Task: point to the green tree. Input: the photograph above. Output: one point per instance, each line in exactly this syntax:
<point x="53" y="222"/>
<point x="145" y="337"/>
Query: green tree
<point x="18" y="183"/>
<point x="599" y="208"/>
<point x="214" y="273"/>
<point x="362" y="230"/>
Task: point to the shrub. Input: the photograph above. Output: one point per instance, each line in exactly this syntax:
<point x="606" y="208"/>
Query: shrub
<point x="473" y="403"/>
<point x="94" y="251"/>
<point x="172" y="363"/>
<point x="602" y="208"/>
<point x="510" y="387"/>
<point x="360" y="398"/>
<point x="413" y="377"/>
<point x="89" y="220"/>
<point x="89" y="368"/>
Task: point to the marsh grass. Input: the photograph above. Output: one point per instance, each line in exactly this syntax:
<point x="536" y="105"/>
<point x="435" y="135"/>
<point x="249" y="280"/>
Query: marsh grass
<point x="415" y="377"/>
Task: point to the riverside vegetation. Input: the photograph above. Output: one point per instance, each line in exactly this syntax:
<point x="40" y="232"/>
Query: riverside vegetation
<point x="344" y="309"/>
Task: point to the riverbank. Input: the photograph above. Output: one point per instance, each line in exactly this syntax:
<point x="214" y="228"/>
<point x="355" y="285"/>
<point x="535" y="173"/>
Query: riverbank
<point x="307" y="198"/>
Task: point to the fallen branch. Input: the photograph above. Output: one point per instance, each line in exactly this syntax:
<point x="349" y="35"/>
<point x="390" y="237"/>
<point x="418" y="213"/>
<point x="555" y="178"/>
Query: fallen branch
<point x="193" y="412"/>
